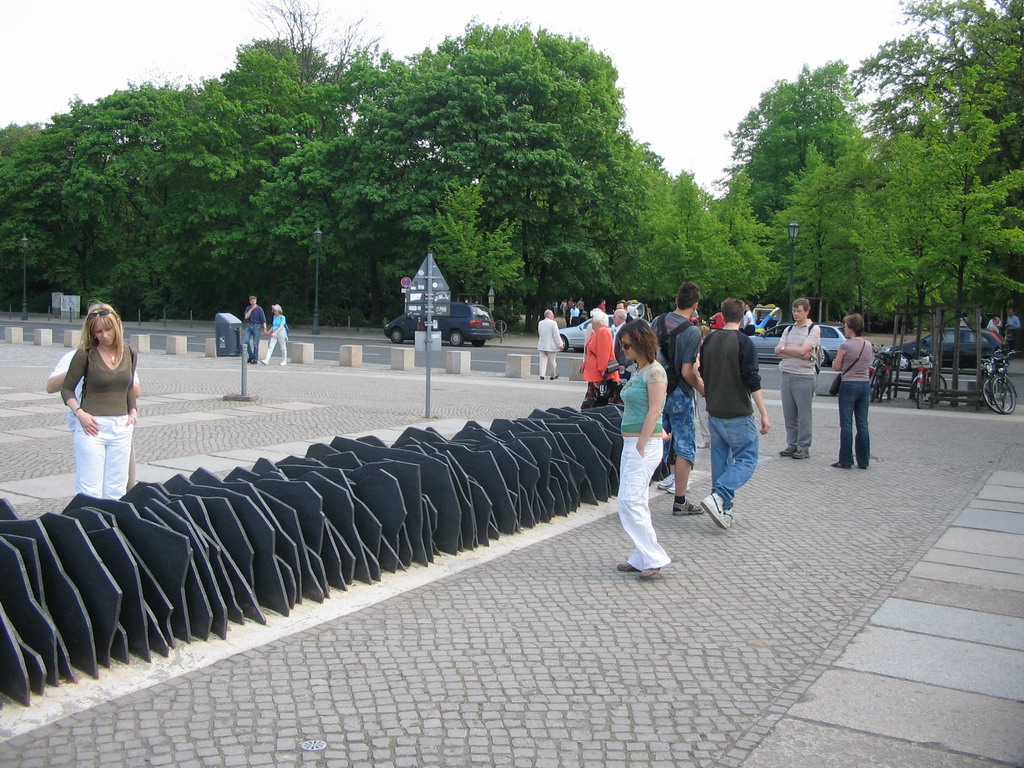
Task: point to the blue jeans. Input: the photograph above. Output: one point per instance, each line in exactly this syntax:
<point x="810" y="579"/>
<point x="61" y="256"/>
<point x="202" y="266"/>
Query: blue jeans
<point x="252" y="340"/>
<point x="854" y="399"/>
<point x="734" y="448"/>
<point x="678" y="418"/>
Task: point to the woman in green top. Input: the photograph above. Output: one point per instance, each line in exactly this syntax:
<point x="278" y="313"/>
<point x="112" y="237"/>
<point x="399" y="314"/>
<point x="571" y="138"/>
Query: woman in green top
<point x="644" y="399"/>
<point x="106" y="413"/>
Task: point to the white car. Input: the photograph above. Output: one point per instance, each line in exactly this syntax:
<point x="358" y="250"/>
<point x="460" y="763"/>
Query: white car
<point x="574" y="337"/>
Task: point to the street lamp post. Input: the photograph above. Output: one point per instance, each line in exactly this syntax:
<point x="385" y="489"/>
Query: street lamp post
<point x="318" y="236"/>
<point x="24" y="277"/>
<point x="794" y="231"/>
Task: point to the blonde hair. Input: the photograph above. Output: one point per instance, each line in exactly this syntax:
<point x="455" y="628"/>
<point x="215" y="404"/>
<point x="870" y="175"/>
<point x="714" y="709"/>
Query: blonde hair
<point x="276" y="308"/>
<point x="110" y="319"/>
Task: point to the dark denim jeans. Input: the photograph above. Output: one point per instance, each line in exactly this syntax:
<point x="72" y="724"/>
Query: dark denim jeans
<point x="854" y="399"/>
<point x="252" y="340"/>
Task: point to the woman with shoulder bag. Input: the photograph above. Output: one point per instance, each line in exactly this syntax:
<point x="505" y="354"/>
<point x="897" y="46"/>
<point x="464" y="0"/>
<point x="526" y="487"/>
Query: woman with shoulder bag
<point x="599" y="365"/>
<point x="107" y="411"/>
<point x="854" y="362"/>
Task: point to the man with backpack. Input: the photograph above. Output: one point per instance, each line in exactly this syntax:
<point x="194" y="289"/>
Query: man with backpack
<point x="678" y="344"/>
<point x="799" y="350"/>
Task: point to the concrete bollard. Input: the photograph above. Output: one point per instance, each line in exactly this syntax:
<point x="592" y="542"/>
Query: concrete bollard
<point x="823" y="381"/>
<point x="14" y="335"/>
<point x="302" y="353"/>
<point x="210" y="348"/>
<point x="457" y="361"/>
<point x="575" y="374"/>
<point x="141" y="342"/>
<point x="177" y="345"/>
<point x="350" y="355"/>
<point x="518" y="366"/>
<point x="403" y="359"/>
<point x="72" y="338"/>
<point x="42" y="337"/>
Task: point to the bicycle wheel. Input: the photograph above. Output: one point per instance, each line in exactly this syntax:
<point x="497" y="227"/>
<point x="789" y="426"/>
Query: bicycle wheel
<point x="921" y="394"/>
<point x="999" y="395"/>
<point x="877" y="383"/>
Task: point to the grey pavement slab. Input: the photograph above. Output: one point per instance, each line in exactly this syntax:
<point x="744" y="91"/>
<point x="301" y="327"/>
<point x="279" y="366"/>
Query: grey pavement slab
<point x="32" y="432"/>
<point x="991" y="520"/>
<point x="800" y="744"/>
<point x="957" y="623"/>
<point x="1002" y="493"/>
<point x="150" y="473"/>
<point x="1002" y="477"/>
<point x="958" y="575"/>
<point x="971" y="560"/>
<point x="6" y="437"/>
<point x="192" y="463"/>
<point x="925" y="714"/>
<point x="21" y="397"/>
<point x="1001" y="601"/>
<point x="937" y="661"/>
<point x="982" y="542"/>
<point x="1002" y="506"/>
<point x="51" y="487"/>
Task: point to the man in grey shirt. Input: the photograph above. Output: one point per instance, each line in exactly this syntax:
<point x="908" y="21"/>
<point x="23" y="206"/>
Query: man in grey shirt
<point x="798" y="351"/>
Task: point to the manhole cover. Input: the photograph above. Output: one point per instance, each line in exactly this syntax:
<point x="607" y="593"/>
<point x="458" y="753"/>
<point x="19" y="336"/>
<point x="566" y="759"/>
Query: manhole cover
<point x="313" y="745"/>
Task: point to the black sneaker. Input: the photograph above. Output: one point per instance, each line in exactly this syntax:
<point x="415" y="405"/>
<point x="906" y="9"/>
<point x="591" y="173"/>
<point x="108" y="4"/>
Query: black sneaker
<point x="788" y="451"/>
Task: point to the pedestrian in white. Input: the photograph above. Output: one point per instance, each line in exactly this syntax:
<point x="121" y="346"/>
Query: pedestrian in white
<point x="549" y="344"/>
<point x="278" y="335"/>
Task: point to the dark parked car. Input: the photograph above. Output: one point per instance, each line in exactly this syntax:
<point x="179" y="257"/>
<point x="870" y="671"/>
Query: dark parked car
<point x="467" y="322"/>
<point x="831" y="337"/>
<point x="968" y="347"/>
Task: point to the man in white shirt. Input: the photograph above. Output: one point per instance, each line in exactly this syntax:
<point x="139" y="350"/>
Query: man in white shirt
<point x="549" y="343"/>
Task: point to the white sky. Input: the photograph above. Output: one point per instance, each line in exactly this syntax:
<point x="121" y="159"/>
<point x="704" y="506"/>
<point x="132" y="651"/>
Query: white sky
<point x="690" y="70"/>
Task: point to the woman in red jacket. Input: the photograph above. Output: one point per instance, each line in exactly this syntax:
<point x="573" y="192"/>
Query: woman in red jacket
<point x="602" y="386"/>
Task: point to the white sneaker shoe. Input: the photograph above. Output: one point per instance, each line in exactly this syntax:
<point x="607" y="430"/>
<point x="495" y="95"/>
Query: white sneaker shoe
<point x="264" y="362"/>
<point x="284" y="362"/>
<point x="668" y="484"/>
<point x="714" y="506"/>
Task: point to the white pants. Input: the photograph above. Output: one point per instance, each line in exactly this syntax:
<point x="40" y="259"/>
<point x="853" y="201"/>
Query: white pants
<point x="548" y="364"/>
<point x="635" y="473"/>
<point x="102" y="460"/>
<point x="284" y="347"/>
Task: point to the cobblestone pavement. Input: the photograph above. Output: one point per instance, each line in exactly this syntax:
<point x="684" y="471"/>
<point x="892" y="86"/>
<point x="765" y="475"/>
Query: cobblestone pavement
<point x="545" y="657"/>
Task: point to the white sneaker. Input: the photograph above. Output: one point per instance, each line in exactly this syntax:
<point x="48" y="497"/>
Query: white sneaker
<point x="284" y="362"/>
<point x="714" y="506"/>
<point x="264" y="362"/>
<point x="668" y="484"/>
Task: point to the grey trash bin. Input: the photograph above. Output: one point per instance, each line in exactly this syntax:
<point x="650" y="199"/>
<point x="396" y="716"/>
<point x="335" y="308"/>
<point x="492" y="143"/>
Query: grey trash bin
<point x="229" y="328"/>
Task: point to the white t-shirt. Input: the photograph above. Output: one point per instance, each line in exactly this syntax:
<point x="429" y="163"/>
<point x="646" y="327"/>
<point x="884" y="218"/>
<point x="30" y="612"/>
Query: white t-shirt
<point x="61" y="368"/>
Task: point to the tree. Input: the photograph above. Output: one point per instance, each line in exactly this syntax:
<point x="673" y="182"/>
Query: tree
<point x="817" y="112"/>
<point x="472" y="257"/>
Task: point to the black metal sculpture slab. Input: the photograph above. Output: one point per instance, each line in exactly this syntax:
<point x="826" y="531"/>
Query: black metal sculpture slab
<point x="28" y="617"/>
<point x="114" y="550"/>
<point x="62" y="600"/>
<point x="334" y="489"/>
<point x="100" y="593"/>
<point x="166" y="554"/>
<point x="381" y="493"/>
<point x="13" y="676"/>
<point x="437" y="484"/>
<point x="411" y="491"/>
<point x="7" y="511"/>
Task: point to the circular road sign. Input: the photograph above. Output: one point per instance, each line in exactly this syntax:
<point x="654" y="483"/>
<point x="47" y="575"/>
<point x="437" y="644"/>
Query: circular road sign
<point x="406" y="282"/>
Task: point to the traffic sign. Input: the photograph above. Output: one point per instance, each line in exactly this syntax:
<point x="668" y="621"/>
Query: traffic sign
<point x="406" y="282"/>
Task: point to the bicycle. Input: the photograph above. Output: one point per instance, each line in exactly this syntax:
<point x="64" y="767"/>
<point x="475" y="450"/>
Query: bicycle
<point x="925" y="381"/>
<point x="883" y="371"/>
<point x="997" y="390"/>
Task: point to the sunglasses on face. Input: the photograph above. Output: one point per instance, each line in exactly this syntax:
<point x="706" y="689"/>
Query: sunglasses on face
<point x="625" y="345"/>
<point x="101" y="313"/>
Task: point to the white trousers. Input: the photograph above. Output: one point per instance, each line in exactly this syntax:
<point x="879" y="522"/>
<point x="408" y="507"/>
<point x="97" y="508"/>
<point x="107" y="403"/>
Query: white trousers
<point x="284" y="348"/>
<point x="635" y="473"/>
<point x="548" y="364"/>
<point x="102" y="460"/>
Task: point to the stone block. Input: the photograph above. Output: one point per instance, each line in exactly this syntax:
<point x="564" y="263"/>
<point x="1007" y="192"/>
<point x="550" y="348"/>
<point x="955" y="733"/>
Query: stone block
<point x="210" y="347"/>
<point x="518" y="366"/>
<point x="302" y="353"/>
<point x="141" y="342"/>
<point x="14" y="335"/>
<point x="350" y="355"/>
<point x="403" y="359"/>
<point x="42" y="337"/>
<point x="457" y="361"/>
<point x="575" y="372"/>
<point x="72" y="339"/>
<point x="824" y="381"/>
<point x="177" y="345"/>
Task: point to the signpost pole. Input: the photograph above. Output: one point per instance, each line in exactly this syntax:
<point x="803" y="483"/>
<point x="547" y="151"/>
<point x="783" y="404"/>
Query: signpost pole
<point x="430" y="323"/>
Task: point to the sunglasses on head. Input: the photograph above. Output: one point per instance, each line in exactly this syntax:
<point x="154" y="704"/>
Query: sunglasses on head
<point x="100" y="313"/>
